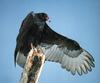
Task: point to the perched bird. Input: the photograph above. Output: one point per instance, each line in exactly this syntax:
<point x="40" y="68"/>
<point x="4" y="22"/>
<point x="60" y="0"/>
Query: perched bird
<point x="57" y="48"/>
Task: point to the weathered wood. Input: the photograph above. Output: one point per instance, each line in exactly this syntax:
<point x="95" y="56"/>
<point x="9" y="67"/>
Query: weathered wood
<point x="33" y="66"/>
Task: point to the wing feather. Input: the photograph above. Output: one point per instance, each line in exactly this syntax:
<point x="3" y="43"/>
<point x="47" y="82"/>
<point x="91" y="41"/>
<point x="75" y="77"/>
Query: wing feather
<point x="51" y="37"/>
<point x="67" y="52"/>
<point x="82" y="63"/>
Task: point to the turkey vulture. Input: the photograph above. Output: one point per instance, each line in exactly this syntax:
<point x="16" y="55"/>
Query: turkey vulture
<point x="57" y="48"/>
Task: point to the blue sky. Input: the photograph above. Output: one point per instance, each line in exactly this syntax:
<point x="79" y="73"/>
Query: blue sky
<point x="77" y="19"/>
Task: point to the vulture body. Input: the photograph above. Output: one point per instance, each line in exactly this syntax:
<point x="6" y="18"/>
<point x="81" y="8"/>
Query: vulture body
<point x="57" y="48"/>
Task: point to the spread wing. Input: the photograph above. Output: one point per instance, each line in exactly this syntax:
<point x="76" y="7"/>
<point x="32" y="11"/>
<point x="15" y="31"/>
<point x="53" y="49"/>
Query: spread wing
<point x="67" y="52"/>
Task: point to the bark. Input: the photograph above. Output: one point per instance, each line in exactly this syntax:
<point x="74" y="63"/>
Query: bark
<point x="33" y="67"/>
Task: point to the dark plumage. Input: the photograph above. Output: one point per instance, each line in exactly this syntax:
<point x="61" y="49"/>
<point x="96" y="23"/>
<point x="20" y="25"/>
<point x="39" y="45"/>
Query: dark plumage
<point x="56" y="47"/>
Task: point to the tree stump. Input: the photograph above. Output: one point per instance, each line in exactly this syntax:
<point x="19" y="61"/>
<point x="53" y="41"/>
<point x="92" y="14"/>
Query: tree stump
<point x="33" y="66"/>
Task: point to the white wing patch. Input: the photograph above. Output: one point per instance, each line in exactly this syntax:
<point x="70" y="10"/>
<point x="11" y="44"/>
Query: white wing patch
<point x="20" y="59"/>
<point x="73" y="61"/>
<point x="53" y="53"/>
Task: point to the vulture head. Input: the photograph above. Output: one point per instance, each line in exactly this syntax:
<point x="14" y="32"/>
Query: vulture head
<point x="43" y="16"/>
